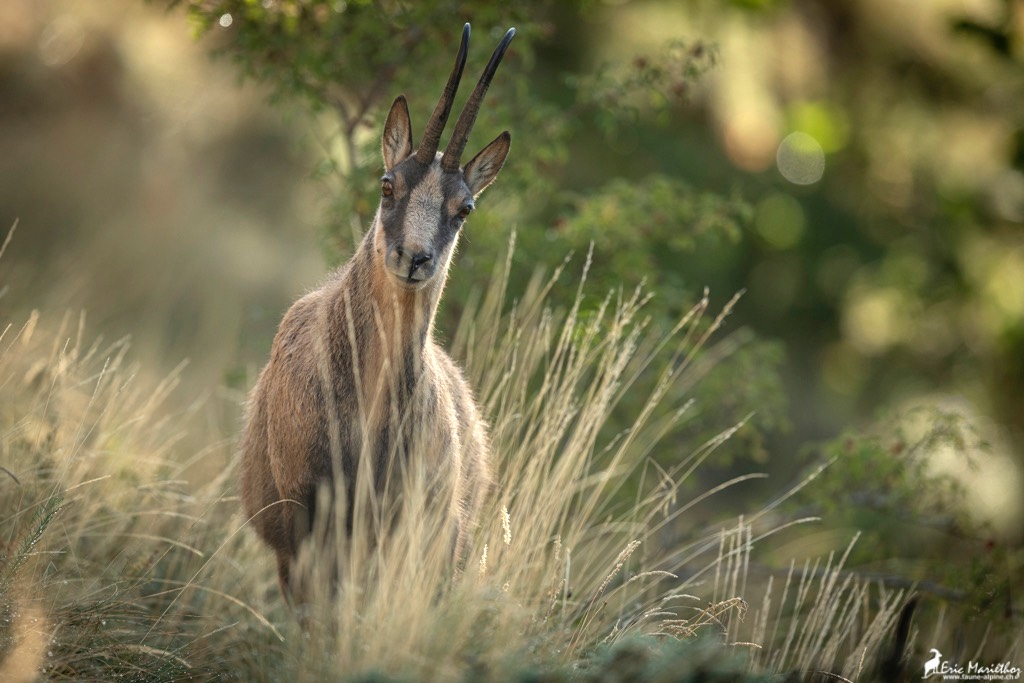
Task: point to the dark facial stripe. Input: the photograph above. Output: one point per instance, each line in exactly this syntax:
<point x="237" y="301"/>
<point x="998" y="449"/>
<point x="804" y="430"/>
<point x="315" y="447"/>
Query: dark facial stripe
<point x="393" y="211"/>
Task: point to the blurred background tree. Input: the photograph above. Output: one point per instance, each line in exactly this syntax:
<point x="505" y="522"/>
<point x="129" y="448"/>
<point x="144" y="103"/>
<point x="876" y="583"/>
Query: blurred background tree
<point x="856" y="167"/>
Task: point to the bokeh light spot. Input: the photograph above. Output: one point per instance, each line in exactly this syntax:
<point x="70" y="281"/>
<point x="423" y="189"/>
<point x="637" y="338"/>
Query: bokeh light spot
<point x="1007" y="195"/>
<point x="874" y="320"/>
<point x="800" y="159"/>
<point x="225" y="20"/>
<point x="780" y="220"/>
<point x="749" y="140"/>
<point x="824" y="122"/>
<point x="1005" y="286"/>
<point x="60" y="41"/>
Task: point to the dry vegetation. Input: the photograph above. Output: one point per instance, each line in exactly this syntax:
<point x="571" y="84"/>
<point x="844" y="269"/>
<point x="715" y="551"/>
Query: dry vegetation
<point x="113" y="567"/>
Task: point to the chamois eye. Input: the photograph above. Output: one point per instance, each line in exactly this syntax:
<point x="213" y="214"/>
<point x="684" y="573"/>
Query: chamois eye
<point x="387" y="188"/>
<point x="465" y="211"/>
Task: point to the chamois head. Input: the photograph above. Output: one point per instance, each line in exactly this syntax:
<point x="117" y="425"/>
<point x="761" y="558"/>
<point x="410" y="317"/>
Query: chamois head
<point x="426" y="196"/>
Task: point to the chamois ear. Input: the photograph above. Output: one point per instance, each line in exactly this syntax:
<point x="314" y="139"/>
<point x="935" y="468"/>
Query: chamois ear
<point x="484" y="167"/>
<point x="396" y="144"/>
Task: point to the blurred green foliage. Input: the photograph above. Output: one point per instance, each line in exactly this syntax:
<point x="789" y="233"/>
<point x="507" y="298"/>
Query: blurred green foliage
<point x="916" y="523"/>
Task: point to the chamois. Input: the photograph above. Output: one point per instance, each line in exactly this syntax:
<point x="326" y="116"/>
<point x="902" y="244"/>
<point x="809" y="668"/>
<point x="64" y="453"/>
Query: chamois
<point x="355" y="374"/>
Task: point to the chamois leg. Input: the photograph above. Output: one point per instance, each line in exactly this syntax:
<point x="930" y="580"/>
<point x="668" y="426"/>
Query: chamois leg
<point x="284" y="579"/>
<point x="293" y="590"/>
<point x="307" y="568"/>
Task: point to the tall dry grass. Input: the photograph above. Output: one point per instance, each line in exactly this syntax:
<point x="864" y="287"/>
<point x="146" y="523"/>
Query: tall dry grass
<point x="114" y="568"/>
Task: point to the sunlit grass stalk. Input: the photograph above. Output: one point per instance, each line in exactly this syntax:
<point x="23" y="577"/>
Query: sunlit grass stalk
<point x="135" y="570"/>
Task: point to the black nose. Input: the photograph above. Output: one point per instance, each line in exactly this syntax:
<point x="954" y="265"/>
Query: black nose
<point x="419" y="258"/>
<point x="409" y="262"/>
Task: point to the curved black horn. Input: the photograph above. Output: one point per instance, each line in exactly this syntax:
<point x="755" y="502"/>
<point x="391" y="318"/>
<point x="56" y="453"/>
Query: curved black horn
<point x="453" y="152"/>
<point x="432" y="134"/>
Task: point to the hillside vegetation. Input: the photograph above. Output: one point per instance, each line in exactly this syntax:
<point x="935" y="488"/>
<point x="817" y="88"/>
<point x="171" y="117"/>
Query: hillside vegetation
<point x="114" y="568"/>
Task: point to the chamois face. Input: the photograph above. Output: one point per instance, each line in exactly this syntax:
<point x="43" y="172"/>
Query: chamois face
<point x="422" y="209"/>
<point x="423" y="206"/>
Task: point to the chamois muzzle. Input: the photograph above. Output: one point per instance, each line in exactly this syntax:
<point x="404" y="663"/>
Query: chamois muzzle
<point x="411" y="266"/>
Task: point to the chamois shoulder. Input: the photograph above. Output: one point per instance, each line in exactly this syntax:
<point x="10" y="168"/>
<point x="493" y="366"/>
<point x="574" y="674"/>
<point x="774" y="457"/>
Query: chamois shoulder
<point x="295" y="334"/>
<point x="455" y="384"/>
<point x="300" y="319"/>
